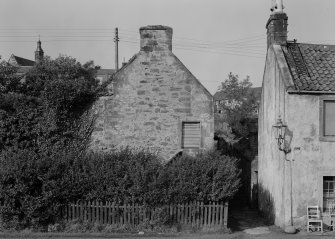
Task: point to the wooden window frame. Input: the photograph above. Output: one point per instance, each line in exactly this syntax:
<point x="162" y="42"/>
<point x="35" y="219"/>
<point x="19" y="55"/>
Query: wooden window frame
<point x="321" y="174"/>
<point x="322" y="137"/>
<point x="182" y="136"/>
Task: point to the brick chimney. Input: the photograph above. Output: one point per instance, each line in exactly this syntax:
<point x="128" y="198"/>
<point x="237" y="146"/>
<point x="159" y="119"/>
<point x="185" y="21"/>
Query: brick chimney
<point x="277" y="24"/>
<point x="156" y="38"/>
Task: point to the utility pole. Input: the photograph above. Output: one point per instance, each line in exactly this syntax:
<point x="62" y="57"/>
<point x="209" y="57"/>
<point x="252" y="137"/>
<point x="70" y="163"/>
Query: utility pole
<point x="116" y="40"/>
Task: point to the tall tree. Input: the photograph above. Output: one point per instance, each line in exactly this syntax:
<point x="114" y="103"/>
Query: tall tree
<point x="238" y="103"/>
<point x="45" y="107"/>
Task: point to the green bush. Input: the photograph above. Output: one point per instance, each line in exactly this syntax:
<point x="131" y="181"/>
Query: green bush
<point x="208" y="176"/>
<point x="34" y="186"/>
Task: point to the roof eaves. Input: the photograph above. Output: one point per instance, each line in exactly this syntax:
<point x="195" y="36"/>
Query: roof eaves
<point x="311" y="92"/>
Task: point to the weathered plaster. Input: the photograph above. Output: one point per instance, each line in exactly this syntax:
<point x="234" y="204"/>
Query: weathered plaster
<point x="311" y="158"/>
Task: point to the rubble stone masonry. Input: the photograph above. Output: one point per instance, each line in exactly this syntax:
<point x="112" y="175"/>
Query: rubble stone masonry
<point x="151" y="97"/>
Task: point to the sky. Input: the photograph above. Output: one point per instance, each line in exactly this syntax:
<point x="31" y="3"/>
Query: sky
<point x="211" y="37"/>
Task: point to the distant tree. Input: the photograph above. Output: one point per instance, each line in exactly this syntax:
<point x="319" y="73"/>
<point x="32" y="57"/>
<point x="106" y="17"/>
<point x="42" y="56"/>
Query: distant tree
<point x="9" y="80"/>
<point x="238" y="104"/>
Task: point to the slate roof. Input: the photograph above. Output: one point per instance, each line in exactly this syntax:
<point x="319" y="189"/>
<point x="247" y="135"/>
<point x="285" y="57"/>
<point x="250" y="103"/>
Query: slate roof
<point x="312" y="66"/>
<point x="23" y="61"/>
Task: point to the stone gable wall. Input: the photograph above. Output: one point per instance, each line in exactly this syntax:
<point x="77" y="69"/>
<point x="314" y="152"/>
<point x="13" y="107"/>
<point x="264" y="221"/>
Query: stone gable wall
<point x="151" y="98"/>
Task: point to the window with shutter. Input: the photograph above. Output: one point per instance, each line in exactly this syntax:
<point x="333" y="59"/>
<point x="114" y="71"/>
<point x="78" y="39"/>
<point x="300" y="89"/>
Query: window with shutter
<point x="191" y="135"/>
<point x="327" y="119"/>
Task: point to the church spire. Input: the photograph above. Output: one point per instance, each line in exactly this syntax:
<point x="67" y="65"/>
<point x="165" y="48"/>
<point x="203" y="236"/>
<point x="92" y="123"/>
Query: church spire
<point x="39" y="53"/>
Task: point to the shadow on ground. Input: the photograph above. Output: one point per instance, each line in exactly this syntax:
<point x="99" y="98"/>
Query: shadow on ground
<point x="242" y="218"/>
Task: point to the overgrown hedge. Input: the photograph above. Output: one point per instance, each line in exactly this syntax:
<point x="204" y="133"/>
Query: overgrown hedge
<point x="34" y="186"/>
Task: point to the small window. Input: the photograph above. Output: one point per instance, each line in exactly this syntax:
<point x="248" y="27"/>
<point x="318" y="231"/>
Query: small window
<point x="191" y="135"/>
<point x="327" y="119"/>
<point x="328" y="191"/>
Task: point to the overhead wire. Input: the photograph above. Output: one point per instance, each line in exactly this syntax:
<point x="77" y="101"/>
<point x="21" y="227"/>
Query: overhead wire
<point x="250" y="46"/>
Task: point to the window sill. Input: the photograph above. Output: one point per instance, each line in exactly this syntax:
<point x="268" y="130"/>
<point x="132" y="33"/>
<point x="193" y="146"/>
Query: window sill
<point x="327" y="138"/>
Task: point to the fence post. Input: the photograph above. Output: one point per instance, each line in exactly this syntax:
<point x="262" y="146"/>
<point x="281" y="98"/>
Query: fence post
<point x="66" y="212"/>
<point x="85" y="210"/>
<point x="213" y="214"/>
<point x="124" y="212"/>
<point x="77" y="210"/>
<point x="113" y="213"/>
<point x="72" y="211"/>
<point x="197" y="214"/>
<point x="130" y="208"/>
<point x="96" y="207"/>
<point x="206" y="214"/>
<point x="221" y="214"/>
<point x="97" y="211"/>
<point x="225" y="219"/>
<point x="102" y="210"/>
<point x="210" y="213"/>
<point x="88" y="210"/>
<point x="100" y="220"/>
<point x="192" y="213"/>
<point x="217" y="213"/>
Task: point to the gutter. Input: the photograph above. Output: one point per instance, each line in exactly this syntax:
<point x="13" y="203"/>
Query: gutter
<point x="310" y="92"/>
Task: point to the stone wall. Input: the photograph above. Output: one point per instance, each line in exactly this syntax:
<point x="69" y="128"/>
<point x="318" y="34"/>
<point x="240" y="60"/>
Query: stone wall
<point x="152" y="95"/>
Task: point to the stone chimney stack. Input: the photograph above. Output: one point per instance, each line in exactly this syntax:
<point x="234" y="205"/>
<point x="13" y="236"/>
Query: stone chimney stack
<point x="277" y="24"/>
<point x="39" y="53"/>
<point x="156" y="38"/>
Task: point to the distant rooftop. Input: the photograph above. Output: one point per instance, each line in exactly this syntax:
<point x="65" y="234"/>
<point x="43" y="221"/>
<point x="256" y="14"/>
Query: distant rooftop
<point x="23" y="61"/>
<point x="105" y="71"/>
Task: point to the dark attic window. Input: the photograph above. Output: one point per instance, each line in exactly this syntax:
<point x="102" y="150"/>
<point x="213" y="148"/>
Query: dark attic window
<point x="327" y="119"/>
<point x="191" y="135"/>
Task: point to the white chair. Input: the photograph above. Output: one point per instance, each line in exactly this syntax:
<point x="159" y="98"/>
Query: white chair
<point x="314" y="220"/>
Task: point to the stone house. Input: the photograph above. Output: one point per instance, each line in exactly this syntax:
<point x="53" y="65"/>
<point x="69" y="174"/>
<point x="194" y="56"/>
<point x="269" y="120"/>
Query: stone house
<point x="155" y="103"/>
<point x="299" y="88"/>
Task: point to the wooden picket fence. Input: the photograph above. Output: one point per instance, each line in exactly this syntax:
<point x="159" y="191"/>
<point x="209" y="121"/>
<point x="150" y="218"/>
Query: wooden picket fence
<point x="195" y="213"/>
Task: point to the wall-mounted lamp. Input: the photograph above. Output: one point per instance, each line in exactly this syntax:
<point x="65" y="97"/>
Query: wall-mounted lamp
<point x="280" y="130"/>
